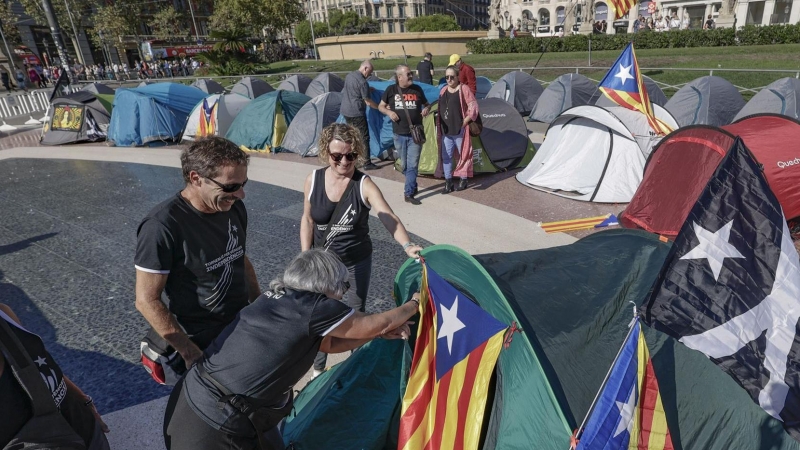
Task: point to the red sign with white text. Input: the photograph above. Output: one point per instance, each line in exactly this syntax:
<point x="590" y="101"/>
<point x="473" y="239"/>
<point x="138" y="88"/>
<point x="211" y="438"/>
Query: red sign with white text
<point x="188" y="50"/>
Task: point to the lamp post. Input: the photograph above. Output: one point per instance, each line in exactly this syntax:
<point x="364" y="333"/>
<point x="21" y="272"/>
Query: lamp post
<point x="311" y="24"/>
<point x="9" y="55"/>
<point x="75" y="32"/>
<point x="194" y="22"/>
<point x="453" y="13"/>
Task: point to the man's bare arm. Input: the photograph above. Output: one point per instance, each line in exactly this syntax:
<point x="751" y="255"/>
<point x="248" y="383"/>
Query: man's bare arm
<point x="149" y="287"/>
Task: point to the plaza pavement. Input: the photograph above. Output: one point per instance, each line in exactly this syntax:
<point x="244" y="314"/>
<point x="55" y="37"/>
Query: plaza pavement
<point x="453" y="219"/>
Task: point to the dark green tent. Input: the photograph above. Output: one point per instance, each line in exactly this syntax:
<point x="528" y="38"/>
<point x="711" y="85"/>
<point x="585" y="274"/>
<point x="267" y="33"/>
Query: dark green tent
<point x="263" y="123"/>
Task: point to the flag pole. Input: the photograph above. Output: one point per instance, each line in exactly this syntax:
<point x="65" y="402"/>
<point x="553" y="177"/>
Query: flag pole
<point x="579" y="431"/>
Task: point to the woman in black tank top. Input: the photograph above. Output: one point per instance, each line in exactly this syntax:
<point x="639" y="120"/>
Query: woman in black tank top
<point x="342" y="150"/>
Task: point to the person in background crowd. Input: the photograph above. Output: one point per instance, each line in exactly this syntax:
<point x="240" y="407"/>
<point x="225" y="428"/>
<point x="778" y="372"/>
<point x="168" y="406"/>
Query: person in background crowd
<point x="457" y="108"/>
<point x="604" y="26"/>
<point x="34" y="77"/>
<point x="355" y="99"/>
<point x="709" y="25"/>
<point x="47" y="75"/>
<point x="512" y="33"/>
<point x="674" y="22"/>
<point x="425" y="69"/>
<point x="409" y="98"/>
<point x="685" y="24"/>
<point x="466" y="74"/>
<point x="21" y="80"/>
<point x="639" y="25"/>
<point x="6" y="79"/>
<point x="192" y="247"/>
<point x="75" y="406"/>
<point x="651" y="25"/>
<point x="285" y="327"/>
<point x="126" y="71"/>
<point x="341" y="148"/>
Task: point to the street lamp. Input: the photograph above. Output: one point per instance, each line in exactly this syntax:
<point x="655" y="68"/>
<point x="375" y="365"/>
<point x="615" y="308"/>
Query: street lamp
<point x="311" y="24"/>
<point x="194" y="22"/>
<point x="75" y="32"/>
<point x="453" y="13"/>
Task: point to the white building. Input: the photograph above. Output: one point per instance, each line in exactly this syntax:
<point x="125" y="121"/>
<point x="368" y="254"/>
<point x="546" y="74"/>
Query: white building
<point x="544" y="17"/>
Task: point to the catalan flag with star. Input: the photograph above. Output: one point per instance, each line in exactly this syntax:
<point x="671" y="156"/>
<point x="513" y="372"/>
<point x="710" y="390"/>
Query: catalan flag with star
<point x="624" y="86"/>
<point x="628" y="413"/>
<point x="457" y="346"/>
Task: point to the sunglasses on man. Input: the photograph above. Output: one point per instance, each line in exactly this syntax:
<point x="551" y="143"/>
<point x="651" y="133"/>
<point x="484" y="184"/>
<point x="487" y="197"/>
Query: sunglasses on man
<point x="338" y="156"/>
<point x="228" y="188"/>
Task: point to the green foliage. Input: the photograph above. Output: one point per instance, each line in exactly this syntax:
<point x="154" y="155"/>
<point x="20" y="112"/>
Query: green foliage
<point x="345" y="23"/>
<point x="252" y="16"/>
<point x="719" y="37"/>
<point x="168" y="24"/>
<point x="230" y="41"/>
<point x="435" y="22"/>
<point x="302" y="32"/>
<point x="111" y="22"/>
<point x="8" y="20"/>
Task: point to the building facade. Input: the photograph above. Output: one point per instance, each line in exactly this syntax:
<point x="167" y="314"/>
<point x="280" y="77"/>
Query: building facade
<point x="547" y="17"/>
<point x="392" y="14"/>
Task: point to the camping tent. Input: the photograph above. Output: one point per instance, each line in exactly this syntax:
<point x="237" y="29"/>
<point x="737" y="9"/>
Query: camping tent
<point x="296" y="83"/>
<point x="706" y="101"/>
<point x="214" y="115"/>
<point x="98" y="88"/>
<point x="209" y="86"/>
<point x="563" y="93"/>
<point x="519" y="89"/>
<point x="144" y="83"/>
<point x="521" y="408"/>
<point x="324" y="82"/>
<point x="262" y="124"/>
<point x="654" y="92"/>
<point x="594" y="154"/>
<point x="682" y="163"/>
<point x="570" y="338"/>
<point x="251" y="87"/>
<point x="780" y="97"/>
<point x="77" y="117"/>
<point x="303" y="134"/>
<point x="502" y="145"/>
<point x="151" y="115"/>
<point x="381" y="141"/>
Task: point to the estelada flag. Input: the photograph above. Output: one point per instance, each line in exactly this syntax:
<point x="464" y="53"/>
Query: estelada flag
<point x="623" y="85"/>
<point x="621" y="7"/>
<point x="457" y="346"/>
<point x="628" y="413"/>
<point x="207" y="119"/>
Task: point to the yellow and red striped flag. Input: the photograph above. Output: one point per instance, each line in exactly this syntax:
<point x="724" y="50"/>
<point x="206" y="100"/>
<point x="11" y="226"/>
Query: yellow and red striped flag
<point x="624" y="86"/>
<point x="621" y="7"/>
<point x="457" y="346"/>
<point x="628" y="413"/>
<point x="208" y="116"/>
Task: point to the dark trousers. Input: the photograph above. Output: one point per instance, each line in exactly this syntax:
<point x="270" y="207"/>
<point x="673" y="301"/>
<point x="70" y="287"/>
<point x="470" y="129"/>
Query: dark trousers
<point x="355" y="297"/>
<point x="185" y="430"/>
<point x="360" y="123"/>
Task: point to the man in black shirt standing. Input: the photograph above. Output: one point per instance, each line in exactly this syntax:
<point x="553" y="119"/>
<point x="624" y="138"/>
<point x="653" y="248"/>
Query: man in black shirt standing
<point x="425" y="69"/>
<point x="401" y="102"/>
<point x="191" y="248"/>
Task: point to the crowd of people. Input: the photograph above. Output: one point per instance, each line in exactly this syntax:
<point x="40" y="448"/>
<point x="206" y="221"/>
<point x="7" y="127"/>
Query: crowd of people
<point x="661" y="23"/>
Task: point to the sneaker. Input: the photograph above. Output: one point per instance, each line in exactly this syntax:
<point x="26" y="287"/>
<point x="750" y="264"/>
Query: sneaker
<point x="462" y="184"/>
<point x="413" y="201"/>
<point x="370" y="166"/>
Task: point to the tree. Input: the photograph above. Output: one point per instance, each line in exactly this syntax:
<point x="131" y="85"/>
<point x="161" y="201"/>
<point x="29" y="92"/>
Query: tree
<point x="8" y="20"/>
<point x="302" y="32"/>
<point x="435" y="22"/>
<point x="253" y="16"/>
<point x="110" y="23"/>
<point x="230" y="41"/>
<point x="343" y="22"/>
<point x="168" y="24"/>
<point x="77" y="8"/>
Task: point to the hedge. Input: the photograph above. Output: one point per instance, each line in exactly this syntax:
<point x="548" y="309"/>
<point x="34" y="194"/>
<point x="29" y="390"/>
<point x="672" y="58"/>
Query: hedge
<point x="719" y="37"/>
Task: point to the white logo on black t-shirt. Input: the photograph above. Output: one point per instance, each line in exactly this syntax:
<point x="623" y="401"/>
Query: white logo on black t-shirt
<point x="233" y="251"/>
<point x="345" y="225"/>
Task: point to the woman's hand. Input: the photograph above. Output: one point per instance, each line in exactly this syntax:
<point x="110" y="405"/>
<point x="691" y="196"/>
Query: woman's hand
<point x="466" y="122"/>
<point x="401" y="332"/>
<point x="413" y="251"/>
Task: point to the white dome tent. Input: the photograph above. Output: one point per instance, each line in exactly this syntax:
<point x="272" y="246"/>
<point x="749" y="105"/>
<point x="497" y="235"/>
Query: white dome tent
<point x="594" y="154"/>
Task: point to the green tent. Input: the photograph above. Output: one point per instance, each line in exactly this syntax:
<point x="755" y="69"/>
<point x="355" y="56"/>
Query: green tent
<point x="262" y="124"/>
<point x="503" y="144"/>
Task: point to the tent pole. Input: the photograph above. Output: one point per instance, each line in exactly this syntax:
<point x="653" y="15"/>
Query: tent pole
<point x="608" y="374"/>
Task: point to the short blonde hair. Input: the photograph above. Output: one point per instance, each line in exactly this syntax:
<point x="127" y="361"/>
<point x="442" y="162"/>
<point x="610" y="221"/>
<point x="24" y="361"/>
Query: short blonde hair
<point x="345" y="133"/>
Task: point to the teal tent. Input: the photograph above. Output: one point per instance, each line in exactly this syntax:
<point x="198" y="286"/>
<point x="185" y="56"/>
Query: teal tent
<point x="262" y="124"/>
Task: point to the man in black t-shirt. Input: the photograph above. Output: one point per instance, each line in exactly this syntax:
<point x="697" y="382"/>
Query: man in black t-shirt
<point x="425" y="69"/>
<point x="191" y="248"/>
<point x="401" y="102"/>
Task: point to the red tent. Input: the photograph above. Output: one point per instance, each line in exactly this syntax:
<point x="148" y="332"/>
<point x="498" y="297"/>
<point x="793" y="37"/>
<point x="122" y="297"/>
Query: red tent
<point x="680" y="166"/>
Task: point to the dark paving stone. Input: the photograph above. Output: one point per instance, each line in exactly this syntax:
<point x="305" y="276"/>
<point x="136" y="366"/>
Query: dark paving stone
<point x="67" y="243"/>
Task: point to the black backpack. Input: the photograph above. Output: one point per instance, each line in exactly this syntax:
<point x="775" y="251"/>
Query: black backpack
<point x="47" y="429"/>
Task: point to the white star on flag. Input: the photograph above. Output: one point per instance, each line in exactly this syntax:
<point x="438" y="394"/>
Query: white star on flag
<point x="450" y="324"/>
<point x="626" y="411"/>
<point x="40" y="361"/>
<point x="624" y="73"/>
<point x="713" y="247"/>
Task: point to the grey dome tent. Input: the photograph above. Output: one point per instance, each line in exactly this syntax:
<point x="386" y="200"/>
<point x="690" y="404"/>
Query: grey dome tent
<point x="707" y="100"/>
<point x="302" y="136"/>
<point x="213" y="115"/>
<point x="209" y="86"/>
<point x="324" y="82"/>
<point x="653" y="91"/>
<point x="77" y="117"/>
<point x="781" y="97"/>
<point x="519" y="89"/>
<point x="98" y="88"/>
<point x="296" y="83"/>
<point x="563" y="93"/>
<point x="251" y="87"/>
